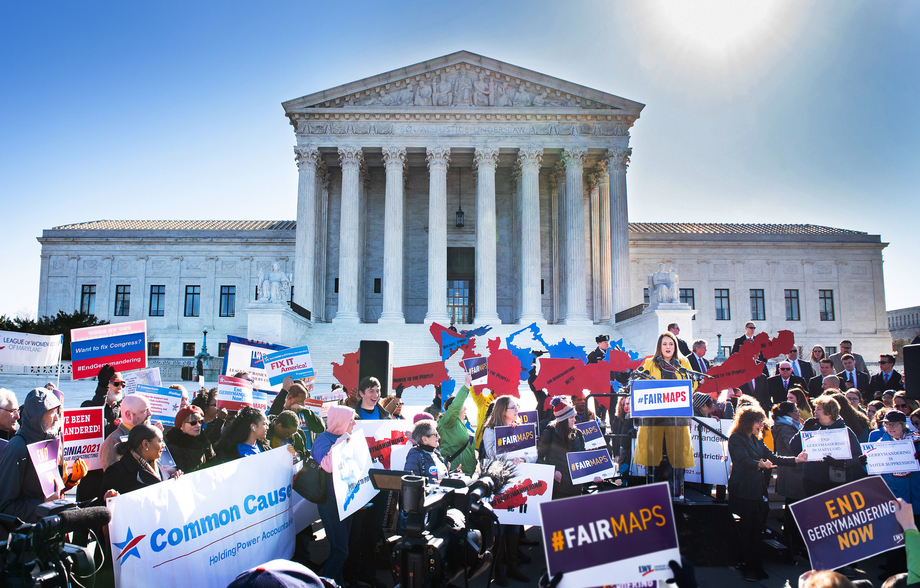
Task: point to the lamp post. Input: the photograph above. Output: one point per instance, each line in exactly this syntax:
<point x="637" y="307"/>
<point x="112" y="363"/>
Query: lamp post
<point x="720" y="356"/>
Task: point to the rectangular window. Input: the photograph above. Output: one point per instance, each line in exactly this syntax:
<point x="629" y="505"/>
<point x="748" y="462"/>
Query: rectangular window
<point x="758" y="310"/>
<point x="153" y="349"/>
<point x="88" y="299"/>
<point x="645" y="297"/>
<point x="830" y="350"/>
<point x="687" y="297"/>
<point x="228" y="301"/>
<point x="221" y="349"/>
<point x="376" y="285"/>
<point x="188" y="350"/>
<point x="826" y="304"/>
<point x="335" y="286"/>
<point x="792" y="305"/>
<point x="157" y="300"/>
<point x="122" y="300"/>
<point x="192" y="300"/>
<point x="723" y="305"/>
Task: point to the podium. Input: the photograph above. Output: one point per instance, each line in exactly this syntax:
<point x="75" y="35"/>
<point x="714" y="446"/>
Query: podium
<point x="662" y="410"/>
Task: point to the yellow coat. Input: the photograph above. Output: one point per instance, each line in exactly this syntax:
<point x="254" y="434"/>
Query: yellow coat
<point x="676" y="439"/>
<point x="482" y="400"/>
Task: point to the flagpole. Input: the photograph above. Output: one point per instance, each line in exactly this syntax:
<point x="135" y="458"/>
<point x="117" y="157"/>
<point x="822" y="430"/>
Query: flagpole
<point x="60" y="354"/>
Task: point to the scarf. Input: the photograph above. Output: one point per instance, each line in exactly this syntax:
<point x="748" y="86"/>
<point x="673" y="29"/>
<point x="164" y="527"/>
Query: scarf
<point x="788" y="420"/>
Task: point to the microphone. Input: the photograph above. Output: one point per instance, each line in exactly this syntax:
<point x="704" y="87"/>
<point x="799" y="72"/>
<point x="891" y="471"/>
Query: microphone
<point x="83" y="519"/>
<point x="658" y="360"/>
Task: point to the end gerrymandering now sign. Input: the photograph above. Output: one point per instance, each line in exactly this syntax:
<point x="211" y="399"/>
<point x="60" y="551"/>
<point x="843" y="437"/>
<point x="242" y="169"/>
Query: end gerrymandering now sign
<point x="627" y="534"/>
<point x="121" y="345"/>
<point x="661" y="398"/>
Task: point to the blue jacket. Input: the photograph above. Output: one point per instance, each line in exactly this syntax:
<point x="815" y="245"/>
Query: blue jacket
<point x="906" y="485"/>
<point x="422" y="462"/>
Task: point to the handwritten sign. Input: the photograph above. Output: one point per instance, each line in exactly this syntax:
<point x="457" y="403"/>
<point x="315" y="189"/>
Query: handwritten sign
<point x="516" y="441"/>
<point x="584" y="466"/>
<point x="519" y="501"/>
<point x="832" y="442"/>
<point x="891" y="457"/>
<point x="83" y="435"/>
<point x="661" y="398"/>
<point x="591" y="430"/>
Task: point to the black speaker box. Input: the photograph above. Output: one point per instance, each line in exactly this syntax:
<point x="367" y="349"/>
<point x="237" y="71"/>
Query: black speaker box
<point x="376" y="359"/>
<point x="911" y="357"/>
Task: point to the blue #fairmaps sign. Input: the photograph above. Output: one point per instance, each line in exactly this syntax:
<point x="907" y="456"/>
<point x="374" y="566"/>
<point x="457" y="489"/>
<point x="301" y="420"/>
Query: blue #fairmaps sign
<point x="661" y="398"/>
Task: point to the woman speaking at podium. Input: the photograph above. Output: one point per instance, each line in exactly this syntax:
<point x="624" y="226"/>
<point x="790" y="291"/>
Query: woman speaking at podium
<point x="667" y="439"/>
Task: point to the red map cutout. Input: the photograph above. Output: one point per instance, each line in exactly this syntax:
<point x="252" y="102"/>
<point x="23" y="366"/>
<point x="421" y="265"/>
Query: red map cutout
<point x="419" y="375"/>
<point x="347" y="372"/>
<point x="516" y="495"/>
<point x="382" y="448"/>
<point x="741" y="367"/>
<point x="504" y="370"/>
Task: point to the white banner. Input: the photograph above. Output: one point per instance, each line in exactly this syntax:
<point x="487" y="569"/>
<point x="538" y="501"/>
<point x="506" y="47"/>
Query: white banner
<point x="205" y="527"/>
<point x="29" y="349"/>
<point x="144" y="377"/>
<point x="890" y="457"/>
<point x="716" y="461"/>
<point x="248" y="358"/>
<point x="832" y="442"/>
<point x="519" y="501"/>
<point x="351" y="460"/>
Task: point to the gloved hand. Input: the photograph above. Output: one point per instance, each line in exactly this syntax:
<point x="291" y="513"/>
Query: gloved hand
<point x="811" y="424"/>
<point x="76" y="474"/>
<point x="834" y="463"/>
<point x="684" y="575"/>
<point x="546" y="582"/>
<point x="633" y="433"/>
<point x="862" y="460"/>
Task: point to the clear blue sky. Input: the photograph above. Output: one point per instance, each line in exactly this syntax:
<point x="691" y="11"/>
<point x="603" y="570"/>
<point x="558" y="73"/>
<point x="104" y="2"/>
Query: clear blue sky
<point x="784" y="111"/>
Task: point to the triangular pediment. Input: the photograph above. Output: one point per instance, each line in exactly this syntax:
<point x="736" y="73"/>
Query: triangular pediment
<point x="462" y="80"/>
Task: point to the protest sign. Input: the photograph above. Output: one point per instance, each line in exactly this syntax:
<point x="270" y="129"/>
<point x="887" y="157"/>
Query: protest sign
<point x="245" y="355"/>
<point x="591" y="430"/>
<point x="715" y="459"/>
<point x="29" y="349"/>
<point x="516" y="441"/>
<point x="44" y="456"/>
<point x="584" y="466"/>
<point x="530" y="417"/>
<point x="146" y="377"/>
<point x="421" y="375"/>
<point x="832" y="442"/>
<point x="890" y="457"/>
<point x="233" y="393"/>
<point x="209" y="525"/>
<point x="382" y="437"/>
<point x="848" y="523"/>
<point x="339" y="394"/>
<point x="629" y="535"/>
<point x="661" y="398"/>
<point x="519" y="501"/>
<point x="478" y="368"/>
<point x="295" y="363"/>
<point x="83" y="435"/>
<point x="351" y="461"/>
<point x="261" y="401"/>
<point x="121" y="345"/>
<point x="163" y="403"/>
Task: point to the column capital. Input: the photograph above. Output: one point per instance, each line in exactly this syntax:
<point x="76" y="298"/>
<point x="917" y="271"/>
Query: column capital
<point x="618" y="159"/>
<point x="601" y="169"/>
<point x="394" y="158"/>
<point x="574" y="159"/>
<point x="485" y="157"/>
<point x="351" y="158"/>
<point x="530" y="157"/>
<point x="437" y="157"/>
<point x="306" y="157"/>
<point x="322" y="174"/>
<point x="591" y="179"/>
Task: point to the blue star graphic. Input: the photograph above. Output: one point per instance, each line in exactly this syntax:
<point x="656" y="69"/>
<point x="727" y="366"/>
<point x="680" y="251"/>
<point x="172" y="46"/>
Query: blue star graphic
<point x="128" y="547"/>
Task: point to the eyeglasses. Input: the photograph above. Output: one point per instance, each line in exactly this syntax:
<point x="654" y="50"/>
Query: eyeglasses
<point x="435" y="434"/>
<point x="11" y="410"/>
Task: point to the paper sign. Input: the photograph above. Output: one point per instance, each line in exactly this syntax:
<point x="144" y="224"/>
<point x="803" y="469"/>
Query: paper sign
<point x="591" y="430"/>
<point x="44" y="456"/>
<point x="340" y="394"/>
<point x="716" y="461"/>
<point x="848" y="523"/>
<point x="519" y="501"/>
<point x="84" y="432"/>
<point x="584" y="466"/>
<point x="628" y="534"/>
<point x="351" y="482"/>
<point x="121" y="345"/>
<point x="233" y="393"/>
<point x="261" y="401"/>
<point x="246" y="355"/>
<point x="832" y="442"/>
<point x="147" y="377"/>
<point x="163" y="403"/>
<point x="530" y="417"/>
<point x="516" y="441"/>
<point x="295" y="362"/>
<point x="382" y="437"/>
<point x="478" y="368"/>
<point x="661" y="398"/>
<point x="890" y="457"/>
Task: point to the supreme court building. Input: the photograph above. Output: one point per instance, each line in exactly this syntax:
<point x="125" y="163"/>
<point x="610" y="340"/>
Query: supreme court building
<point x="462" y="190"/>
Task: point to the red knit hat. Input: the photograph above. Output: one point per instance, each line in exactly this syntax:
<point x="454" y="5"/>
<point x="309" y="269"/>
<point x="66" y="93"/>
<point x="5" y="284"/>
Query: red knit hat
<point x="186" y="412"/>
<point x="562" y="409"/>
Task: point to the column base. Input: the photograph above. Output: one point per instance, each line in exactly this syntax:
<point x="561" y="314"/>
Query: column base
<point x="487" y="319"/>
<point x="346" y="318"/>
<point x="527" y="319"/>
<point x="391" y="318"/>
<point x="580" y="319"/>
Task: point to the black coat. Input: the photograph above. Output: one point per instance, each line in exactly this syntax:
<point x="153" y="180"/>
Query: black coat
<point x="777" y="393"/>
<point x="737" y="344"/>
<point x="862" y="381"/>
<point x="126" y="475"/>
<point x="877" y="384"/>
<point x="816" y="386"/>
<point x="747" y="482"/>
<point x="189" y="453"/>
<point x="683" y="347"/>
<point x="695" y="363"/>
<point x="805" y="369"/>
<point x="551" y="450"/>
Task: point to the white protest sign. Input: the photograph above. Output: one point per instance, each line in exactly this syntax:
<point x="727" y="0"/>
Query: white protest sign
<point x="209" y="525"/>
<point x="163" y="403"/>
<point x="382" y="437"/>
<point x="295" y="362"/>
<point x="248" y="358"/>
<point x="233" y="393"/>
<point x="145" y="377"/>
<point x="716" y="461"/>
<point x="890" y="457"/>
<point x="28" y="349"/>
<point x="351" y="461"/>
<point x="832" y="442"/>
<point x="519" y="501"/>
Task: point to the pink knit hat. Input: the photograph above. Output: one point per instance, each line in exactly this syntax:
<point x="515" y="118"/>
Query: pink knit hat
<point x="338" y="419"/>
<point x="422" y="416"/>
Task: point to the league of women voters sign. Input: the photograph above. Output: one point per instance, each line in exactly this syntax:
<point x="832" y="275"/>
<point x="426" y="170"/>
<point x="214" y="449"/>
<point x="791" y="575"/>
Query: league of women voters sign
<point x="28" y="349"/>
<point x="207" y="526"/>
<point x="121" y="345"/>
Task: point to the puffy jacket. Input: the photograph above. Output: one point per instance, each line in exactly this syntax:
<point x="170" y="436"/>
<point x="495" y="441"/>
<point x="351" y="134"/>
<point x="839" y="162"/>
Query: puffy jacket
<point x="903" y="485"/>
<point x="423" y="462"/>
<point x="189" y="453"/>
<point x="552" y="450"/>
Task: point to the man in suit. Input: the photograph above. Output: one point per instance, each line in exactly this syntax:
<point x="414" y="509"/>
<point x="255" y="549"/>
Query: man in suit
<point x="778" y="386"/>
<point x="816" y="384"/>
<point x="674" y="328"/>
<point x="749" y="329"/>
<point x="851" y="377"/>
<point x="758" y="388"/>
<point x="801" y="369"/>
<point x="846" y="347"/>
<point x="886" y="379"/>
<point x="696" y="359"/>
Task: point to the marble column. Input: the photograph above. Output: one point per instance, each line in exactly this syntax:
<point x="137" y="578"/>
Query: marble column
<point x="593" y="207"/>
<point x="531" y="301"/>
<point x="307" y="159"/>
<point x="349" y="242"/>
<point x="485" y="160"/>
<point x="617" y="162"/>
<point x="438" y="161"/>
<point x="394" y="160"/>
<point x="575" y="286"/>
<point x="559" y="280"/>
<point x="318" y="308"/>
<point x="605" y="294"/>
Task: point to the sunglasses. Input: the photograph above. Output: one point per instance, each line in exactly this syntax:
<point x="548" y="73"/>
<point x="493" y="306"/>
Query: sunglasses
<point x="785" y="369"/>
<point x="192" y="422"/>
<point x="118" y="384"/>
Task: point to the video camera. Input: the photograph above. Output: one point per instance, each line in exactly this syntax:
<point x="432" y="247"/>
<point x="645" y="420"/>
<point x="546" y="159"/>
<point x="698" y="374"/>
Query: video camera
<point x="35" y="554"/>
<point x="448" y="526"/>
